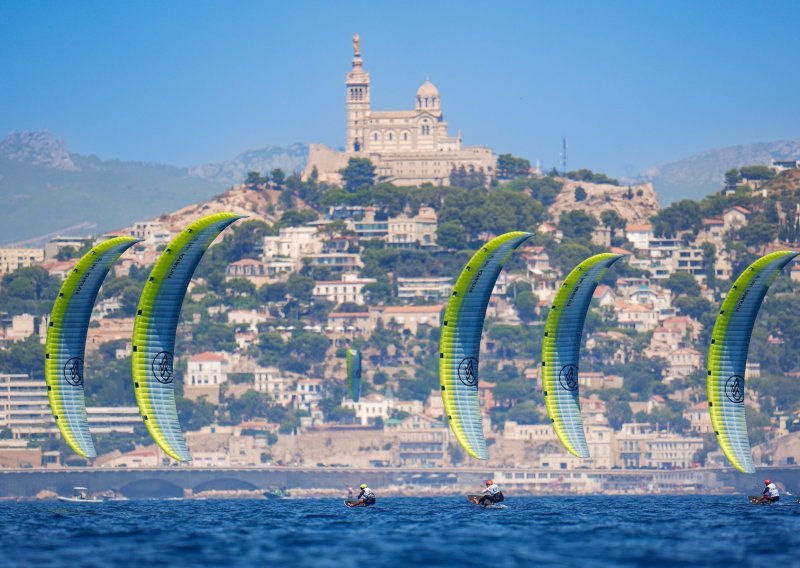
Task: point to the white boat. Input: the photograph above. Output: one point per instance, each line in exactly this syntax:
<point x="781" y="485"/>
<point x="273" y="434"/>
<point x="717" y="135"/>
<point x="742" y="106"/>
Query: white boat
<point x="79" y="495"/>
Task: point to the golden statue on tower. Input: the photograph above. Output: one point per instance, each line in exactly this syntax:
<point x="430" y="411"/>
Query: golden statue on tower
<point x="356" y="45"/>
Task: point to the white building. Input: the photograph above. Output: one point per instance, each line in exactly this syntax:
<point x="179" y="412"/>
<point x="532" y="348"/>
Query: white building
<point x="151" y="232"/>
<point x="639" y="235"/>
<point x="293" y="242"/>
<point x="22" y="326"/>
<point x="431" y="288"/>
<point x="14" y="258"/>
<point x="348" y="289"/>
<point x="407" y="147"/>
<point x="205" y="373"/>
<point x="307" y="393"/>
<point x="271" y="381"/>
<point x="107" y="419"/>
<point x="370" y="407"/>
<point x="418" y="231"/>
<point x="250" y="318"/>
<point x="57" y="243"/>
<point x="24" y="408"/>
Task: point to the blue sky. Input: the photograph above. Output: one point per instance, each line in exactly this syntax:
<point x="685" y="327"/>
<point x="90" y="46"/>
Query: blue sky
<point x="631" y="84"/>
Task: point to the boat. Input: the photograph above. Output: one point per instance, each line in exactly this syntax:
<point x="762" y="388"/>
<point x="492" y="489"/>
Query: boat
<point x="79" y="495"/>
<point x="276" y="494"/>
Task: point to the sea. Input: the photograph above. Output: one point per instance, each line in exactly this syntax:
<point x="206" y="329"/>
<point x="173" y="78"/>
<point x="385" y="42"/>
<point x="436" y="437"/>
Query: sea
<point x="601" y="531"/>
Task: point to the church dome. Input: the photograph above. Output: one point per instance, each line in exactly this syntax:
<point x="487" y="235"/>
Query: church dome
<point x="428" y="89"/>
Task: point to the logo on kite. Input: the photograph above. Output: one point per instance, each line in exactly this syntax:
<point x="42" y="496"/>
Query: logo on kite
<point x="468" y="371"/>
<point x="73" y="372"/>
<point x="162" y="367"/>
<point x="568" y="377"/>
<point x="734" y="389"/>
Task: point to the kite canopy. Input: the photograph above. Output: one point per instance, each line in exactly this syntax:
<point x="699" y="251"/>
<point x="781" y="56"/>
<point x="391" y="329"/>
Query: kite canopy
<point x="459" y="346"/>
<point x="727" y="356"/>
<point x="154" y="329"/>
<point x="561" y="350"/>
<point x="66" y="341"/>
<point x="354" y="373"/>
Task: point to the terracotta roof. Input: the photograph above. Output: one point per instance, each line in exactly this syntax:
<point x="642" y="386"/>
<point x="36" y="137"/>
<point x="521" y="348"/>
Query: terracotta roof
<point x="619" y="250"/>
<point x="600" y="290"/>
<point x="245" y="262"/>
<point x="436" y="308"/>
<point x="208" y="356"/>
<point x="738" y="208"/>
<point x="344" y="282"/>
<point x="348" y="315"/>
<point x="639" y="228"/>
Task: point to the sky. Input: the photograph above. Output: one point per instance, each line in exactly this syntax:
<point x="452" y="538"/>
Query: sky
<point x="630" y="84"/>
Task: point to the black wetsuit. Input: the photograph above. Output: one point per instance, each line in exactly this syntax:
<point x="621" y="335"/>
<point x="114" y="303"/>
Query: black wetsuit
<point x="369" y="498"/>
<point x="491" y="498"/>
<point x="771" y="499"/>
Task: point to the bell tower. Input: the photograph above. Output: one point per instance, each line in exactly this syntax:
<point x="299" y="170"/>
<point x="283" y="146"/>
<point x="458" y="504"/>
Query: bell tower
<point x="357" y="86"/>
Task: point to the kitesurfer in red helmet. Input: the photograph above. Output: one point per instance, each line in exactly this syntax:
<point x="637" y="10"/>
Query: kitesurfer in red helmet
<point x="491" y="494"/>
<point x="770" y="493"/>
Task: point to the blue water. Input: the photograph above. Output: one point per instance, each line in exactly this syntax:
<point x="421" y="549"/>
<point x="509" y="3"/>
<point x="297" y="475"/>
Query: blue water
<point x="531" y="531"/>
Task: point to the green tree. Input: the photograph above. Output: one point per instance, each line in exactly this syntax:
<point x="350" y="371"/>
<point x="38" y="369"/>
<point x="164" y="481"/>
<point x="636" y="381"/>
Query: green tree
<point x="525" y="303"/>
<point x="511" y="167"/>
<point x="683" y="284"/>
<point x="301" y="287"/>
<point x="250" y="405"/>
<point x="580" y="194"/>
<point x="758" y="232"/>
<point x="525" y="413"/>
<point x="577" y="225"/>
<point x="710" y="262"/>
<point x="569" y="254"/>
<point x="278" y="177"/>
<point x="693" y="306"/>
<point x="732" y="178"/>
<point x="378" y="292"/>
<point x="25" y="357"/>
<point x="296" y="218"/>
<point x="194" y="415"/>
<point x="681" y="216"/>
<point x="451" y="235"/>
<point x="612" y="220"/>
<point x="590" y="176"/>
<point x="359" y="173"/>
<point x="253" y="179"/>
<point x="760" y="173"/>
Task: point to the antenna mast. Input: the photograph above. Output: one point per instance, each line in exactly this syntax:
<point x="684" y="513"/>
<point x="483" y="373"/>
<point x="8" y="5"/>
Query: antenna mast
<point x="564" y="156"/>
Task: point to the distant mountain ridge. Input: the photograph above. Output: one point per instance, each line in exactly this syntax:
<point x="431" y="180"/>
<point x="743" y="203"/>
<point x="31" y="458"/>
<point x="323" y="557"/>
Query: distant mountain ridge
<point x="696" y="176"/>
<point x="47" y="189"/>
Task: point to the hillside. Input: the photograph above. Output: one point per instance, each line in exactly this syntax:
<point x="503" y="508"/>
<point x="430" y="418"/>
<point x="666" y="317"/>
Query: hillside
<point x="696" y="176"/>
<point x="635" y="203"/>
<point x="261" y="203"/>
<point x="49" y="190"/>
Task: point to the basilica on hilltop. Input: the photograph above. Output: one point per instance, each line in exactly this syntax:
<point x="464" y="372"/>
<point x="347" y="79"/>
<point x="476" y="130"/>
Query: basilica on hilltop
<point x="407" y="147"/>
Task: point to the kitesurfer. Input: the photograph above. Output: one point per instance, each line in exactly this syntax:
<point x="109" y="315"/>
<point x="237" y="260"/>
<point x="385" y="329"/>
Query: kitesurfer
<point x="770" y="493"/>
<point x="491" y="494"/>
<point x="366" y="496"/>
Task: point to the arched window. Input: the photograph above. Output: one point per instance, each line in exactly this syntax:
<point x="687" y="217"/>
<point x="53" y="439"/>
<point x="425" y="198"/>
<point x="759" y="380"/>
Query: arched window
<point x="405" y="136"/>
<point x="375" y="136"/>
<point x="390" y="136"/>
